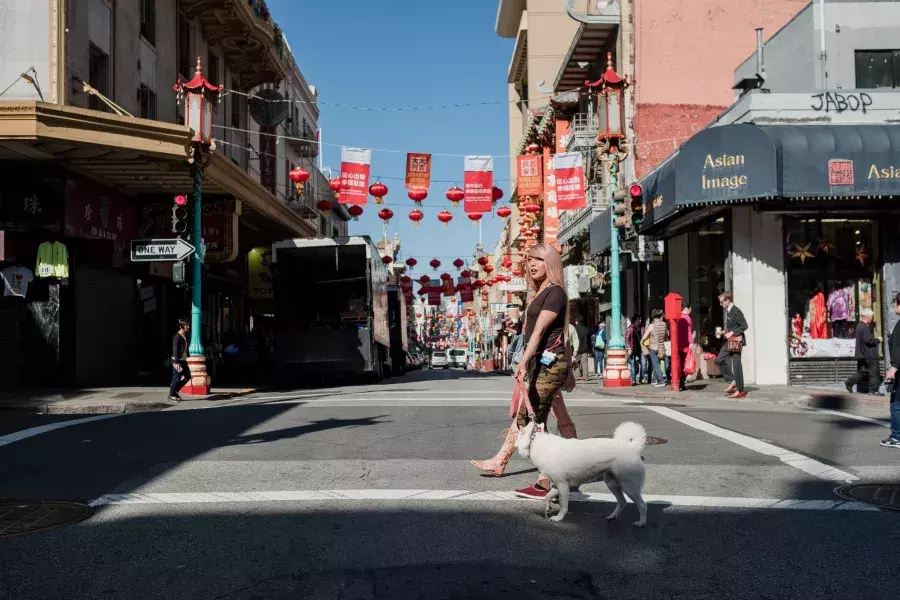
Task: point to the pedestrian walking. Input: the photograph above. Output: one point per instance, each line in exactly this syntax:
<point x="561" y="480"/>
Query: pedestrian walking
<point x="685" y="326"/>
<point x="181" y="374"/>
<point x="867" y="367"/>
<point x="583" y="353"/>
<point x="729" y="359"/>
<point x="654" y="339"/>
<point x="545" y="367"/>
<point x="893" y="440"/>
<point x="633" y="347"/>
<point x="598" y="341"/>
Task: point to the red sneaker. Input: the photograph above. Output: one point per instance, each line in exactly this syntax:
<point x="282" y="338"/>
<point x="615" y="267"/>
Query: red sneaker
<point x="532" y="492"/>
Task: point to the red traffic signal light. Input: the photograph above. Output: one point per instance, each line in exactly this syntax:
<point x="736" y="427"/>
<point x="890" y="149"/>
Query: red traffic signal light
<point x="635" y="190"/>
<point x="180" y="200"/>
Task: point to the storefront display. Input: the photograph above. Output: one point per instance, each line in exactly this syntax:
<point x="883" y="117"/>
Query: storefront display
<point x="52" y="260"/>
<point x="830" y="277"/>
<point x="16" y="280"/>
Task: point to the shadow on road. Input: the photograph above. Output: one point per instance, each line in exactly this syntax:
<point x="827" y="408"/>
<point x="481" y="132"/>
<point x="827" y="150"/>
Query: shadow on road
<point x="372" y="551"/>
<point x="91" y="459"/>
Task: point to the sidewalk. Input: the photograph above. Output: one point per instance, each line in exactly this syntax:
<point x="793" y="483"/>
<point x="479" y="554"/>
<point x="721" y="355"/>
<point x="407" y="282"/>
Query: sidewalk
<point x="101" y="400"/>
<point x="714" y="389"/>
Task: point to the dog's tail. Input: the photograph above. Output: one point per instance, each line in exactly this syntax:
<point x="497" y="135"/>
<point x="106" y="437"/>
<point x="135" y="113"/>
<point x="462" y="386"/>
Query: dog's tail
<point x="632" y="433"/>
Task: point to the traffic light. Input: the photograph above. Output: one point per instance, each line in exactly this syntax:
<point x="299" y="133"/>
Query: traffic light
<point x="637" y="203"/>
<point x="621" y="210"/>
<point x="179" y="215"/>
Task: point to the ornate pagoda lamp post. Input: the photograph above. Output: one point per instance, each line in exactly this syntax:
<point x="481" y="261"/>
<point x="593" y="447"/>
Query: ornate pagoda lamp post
<point x="612" y="150"/>
<point x="199" y="96"/>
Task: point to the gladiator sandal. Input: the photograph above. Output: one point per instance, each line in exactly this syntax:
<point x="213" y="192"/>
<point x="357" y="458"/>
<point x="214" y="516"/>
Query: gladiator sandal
<point x="497" y="465"/>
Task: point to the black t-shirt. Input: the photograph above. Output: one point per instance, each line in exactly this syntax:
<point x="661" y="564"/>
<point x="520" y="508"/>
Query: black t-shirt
<point x="554" y="299"/>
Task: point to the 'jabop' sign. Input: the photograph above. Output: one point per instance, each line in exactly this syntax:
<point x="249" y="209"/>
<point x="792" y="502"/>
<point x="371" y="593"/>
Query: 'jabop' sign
<point x="569" y="168"/>
<point x="479" y="182"/>
<point x="355" y="175"/>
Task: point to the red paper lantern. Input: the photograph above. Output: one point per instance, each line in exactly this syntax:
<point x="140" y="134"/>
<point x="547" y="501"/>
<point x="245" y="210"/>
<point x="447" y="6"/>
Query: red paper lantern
<point x="417" y="194"/>
<point x="406" y="280"/>
<point x="465" y="274"/>
<point x="415" y="216"/>
<point x="387" y="260"/>
<point x="517" y="272"/>
<point x="445" y="217"/>
<point x="299" y="177"/>
<point x="474" y="217"/>
<point x="446" y="276"/>
<point x="324" y="206"/>
<point x="335" y="185"/>
<point x="535" y="229"/>
<point x="532" y="208"/>
<point x="424" y="279"/>
<point x="458" y="263"/>
<point x="435" y="263"/>
<point x="533" y="148"/>
<point x="504" y="211"/>
<point x="411" y="263"/>
<point x="496" y="193"/>
<point x="483" y="260"/>
<point x="455" y="195"/>
<point x="355" y="210"/>
<point x="506" y="262"/>
<point x="378" y="190"/>
<point x="488" y="268"/>
<point x="385" y="214"/>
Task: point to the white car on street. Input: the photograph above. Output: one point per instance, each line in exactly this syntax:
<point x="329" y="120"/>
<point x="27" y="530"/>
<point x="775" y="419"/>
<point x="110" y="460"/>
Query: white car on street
<point x="439" y="360"/>
<point x="459" y="358"/>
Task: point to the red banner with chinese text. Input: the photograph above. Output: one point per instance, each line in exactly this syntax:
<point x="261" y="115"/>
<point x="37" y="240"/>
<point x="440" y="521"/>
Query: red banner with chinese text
<point x="479" y="184"/>
<point x="562" y="134"/>
<point x="551" y="212"/>
<point x="355" y="175"/>
<point x="530" y="179"/>
<point x="569" y="169"/>
<point x="418" y="171"/>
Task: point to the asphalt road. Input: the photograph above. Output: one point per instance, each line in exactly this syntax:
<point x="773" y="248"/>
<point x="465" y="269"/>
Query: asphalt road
<point x="365" y="492"/>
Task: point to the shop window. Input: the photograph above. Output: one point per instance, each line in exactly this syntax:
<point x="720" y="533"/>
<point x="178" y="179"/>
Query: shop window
<point x="98" y="74"/>
<point x="708" y="249"/>
<point x="148" y="20"/>
<point x="877" y="69"/>
<point x="831" y="276"/>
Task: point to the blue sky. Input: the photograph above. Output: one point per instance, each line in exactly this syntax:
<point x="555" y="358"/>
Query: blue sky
<point x="398" y="53"/>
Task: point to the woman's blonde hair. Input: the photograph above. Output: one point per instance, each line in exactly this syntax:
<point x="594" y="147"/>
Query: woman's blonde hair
<point x="553" y="263"/>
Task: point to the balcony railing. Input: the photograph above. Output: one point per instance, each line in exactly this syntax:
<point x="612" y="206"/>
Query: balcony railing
<point x="584" y="133"/>
<point x="302" y="138"/>
<point x="575" y="223"/>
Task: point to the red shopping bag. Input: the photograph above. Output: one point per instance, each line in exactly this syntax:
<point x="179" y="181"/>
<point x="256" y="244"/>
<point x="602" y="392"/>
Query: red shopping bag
<point x="690" y="362"/>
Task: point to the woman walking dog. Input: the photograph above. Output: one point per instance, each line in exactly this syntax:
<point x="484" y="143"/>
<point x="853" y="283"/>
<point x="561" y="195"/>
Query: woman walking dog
<point x="545" y="367"/>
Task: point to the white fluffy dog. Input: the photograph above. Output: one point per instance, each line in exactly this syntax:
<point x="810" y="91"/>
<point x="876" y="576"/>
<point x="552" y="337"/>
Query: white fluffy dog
<point x="569" y="463"/>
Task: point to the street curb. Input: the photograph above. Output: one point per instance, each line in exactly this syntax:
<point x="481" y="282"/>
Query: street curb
<point x="114" y="409"/>
<point x="817" y="400"/>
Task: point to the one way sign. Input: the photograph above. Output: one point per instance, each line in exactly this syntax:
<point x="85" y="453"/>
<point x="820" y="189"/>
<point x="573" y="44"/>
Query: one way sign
<point x="150" y="250"/>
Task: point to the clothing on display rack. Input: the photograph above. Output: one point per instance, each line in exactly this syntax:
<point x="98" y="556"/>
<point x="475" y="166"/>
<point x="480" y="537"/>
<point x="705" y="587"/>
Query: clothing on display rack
<point x="52" y="260"/>
<point x="839" y="305"/>
<point x="818" y="322"/>
<point x="16" y="280"/>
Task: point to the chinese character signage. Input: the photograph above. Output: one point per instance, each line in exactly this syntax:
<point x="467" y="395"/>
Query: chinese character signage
<point x="551" y="211"/>
<point x="95" y="213"/>
<point x="434" y="294"/>
<point x="479" y="184"/>
<point x="465" y="290"/>
<point x="259" y="268"/>
<point x="31" y="198"/>
<point x="355" y="175"/>
<point x="569" y="168"/>
<point x="418" y="171"/>
<point x="563" y="133"/>
<point x="529" y="175"/>
<point x="840" y="172"/>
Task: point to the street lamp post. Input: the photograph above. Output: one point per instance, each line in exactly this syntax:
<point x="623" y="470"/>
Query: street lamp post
<point x="612" y="150"/>
<point x="199" y="96"/>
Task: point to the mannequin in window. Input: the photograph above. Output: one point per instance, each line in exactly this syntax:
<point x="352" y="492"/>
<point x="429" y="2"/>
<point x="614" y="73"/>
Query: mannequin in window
<point x="838" y="306"/>
<point x="818" y="322"/>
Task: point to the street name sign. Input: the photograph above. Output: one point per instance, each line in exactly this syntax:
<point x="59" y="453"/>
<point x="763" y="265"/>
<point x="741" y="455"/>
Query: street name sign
<point x="163" y="250"/>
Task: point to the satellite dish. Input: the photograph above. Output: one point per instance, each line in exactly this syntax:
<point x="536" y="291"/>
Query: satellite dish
<point x="268" y="108"/>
